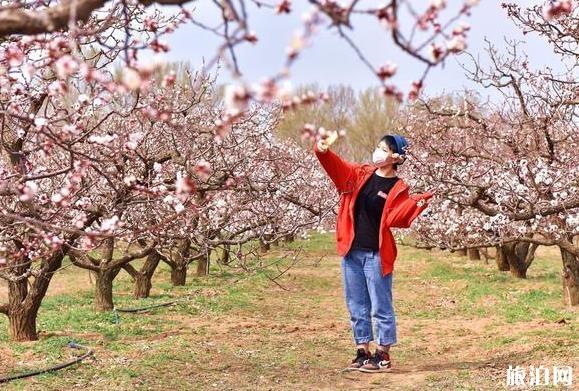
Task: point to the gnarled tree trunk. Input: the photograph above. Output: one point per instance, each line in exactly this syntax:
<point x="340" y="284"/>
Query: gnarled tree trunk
<point x="264" y="246"/>
<point x="473" y="254"/>
<point x="25" y="297"/>
<point x="22" y="313"/>
<point x="179" y="262"/>
<point x="570" y="278"/>
<point x="144" y="276"/>
<point x="203" y="266"/>
<point x="519" y="256"/>
<point x="225" y="255"/>
<point x="103" y="297"/>
<point x="501" y="259"/>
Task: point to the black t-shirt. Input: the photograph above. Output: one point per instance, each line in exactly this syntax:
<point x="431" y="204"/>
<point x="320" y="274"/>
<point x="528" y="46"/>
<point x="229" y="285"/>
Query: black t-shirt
<point x="368" y="211"/>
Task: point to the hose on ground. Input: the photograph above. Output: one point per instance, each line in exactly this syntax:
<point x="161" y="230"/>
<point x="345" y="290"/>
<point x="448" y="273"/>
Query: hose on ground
<point x="88" y="353"/>
<point x="144" y="309"/>
<point x="150" y="307"/>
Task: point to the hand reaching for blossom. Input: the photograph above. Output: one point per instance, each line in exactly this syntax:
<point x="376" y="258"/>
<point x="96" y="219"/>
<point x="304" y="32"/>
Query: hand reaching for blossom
<point x="323" y="145"/>
<point x="328" y="139"/>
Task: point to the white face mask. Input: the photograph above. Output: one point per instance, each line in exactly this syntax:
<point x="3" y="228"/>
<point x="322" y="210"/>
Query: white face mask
<point x="380" y="156"/>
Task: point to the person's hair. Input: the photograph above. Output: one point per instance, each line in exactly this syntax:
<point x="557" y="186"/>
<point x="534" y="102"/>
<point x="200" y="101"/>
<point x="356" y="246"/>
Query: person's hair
<point x="391" y="145"/>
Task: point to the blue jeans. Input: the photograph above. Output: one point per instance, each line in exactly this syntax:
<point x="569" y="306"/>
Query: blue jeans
<point x="368" y="295"/>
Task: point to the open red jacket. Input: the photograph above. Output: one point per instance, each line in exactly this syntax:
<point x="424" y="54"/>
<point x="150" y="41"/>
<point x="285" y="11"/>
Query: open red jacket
<point x="400" y="208"/>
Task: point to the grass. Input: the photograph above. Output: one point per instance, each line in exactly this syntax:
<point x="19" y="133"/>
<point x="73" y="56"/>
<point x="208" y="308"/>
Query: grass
<point x="240" y="331"/>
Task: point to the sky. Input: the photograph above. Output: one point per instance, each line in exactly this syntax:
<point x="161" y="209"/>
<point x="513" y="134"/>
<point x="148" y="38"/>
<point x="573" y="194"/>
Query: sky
<point x="331" y="61"/>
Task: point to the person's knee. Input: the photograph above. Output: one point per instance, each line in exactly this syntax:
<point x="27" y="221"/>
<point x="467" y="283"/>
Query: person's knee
<point x="384" y="315"/>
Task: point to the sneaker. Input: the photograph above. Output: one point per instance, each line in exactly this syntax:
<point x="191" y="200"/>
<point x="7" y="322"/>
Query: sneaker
<point x="361" y="357"/>
<point x="379" y="362"/>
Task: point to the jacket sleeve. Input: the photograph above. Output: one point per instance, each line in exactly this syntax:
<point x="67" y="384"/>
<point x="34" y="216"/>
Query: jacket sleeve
<point x="338" y="169"/>
<point x="408" y="210"/>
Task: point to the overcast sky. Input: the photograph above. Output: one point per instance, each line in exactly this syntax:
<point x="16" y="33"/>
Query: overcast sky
<point x="330" y="60"/>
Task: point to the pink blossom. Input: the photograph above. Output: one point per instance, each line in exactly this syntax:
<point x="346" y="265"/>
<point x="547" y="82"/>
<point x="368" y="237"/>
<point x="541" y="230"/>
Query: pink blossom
<point x="28" y="70"/>
<point x="56" y="88"/>
<point x="436" y="51"/>
<point x="14" y="55"/>
<point x="110" y="225"/>
<point x="392" y="91"/>
<point x="236" y="99"/>
<point x="283" y="7"/>
<point x="28" y="191"/>
<point x="456" y="44"/>
<point x="130" y="180"/>
<point x="438" y="4"/>
<point x="132" y="79"/>
<point x="134" y="139"/>
<point x="184" y="185"/>
<point x="103" y="140"/>
<point x="65" y="66"/>
<point x="179" y="207"/>
<point x="79" y="220"/>
<point x="169" y="80"/>
<point x="415" y="90"/>
<point x="56" y="198"/>
<point x="159" y="46"/>
<point x="151" y="24"/>
<point x="40" y="122"/>
<point x="251" y="37"/>
<point x="387" y="71"/>
<point x="203" y="168"/>
<point x="558" y="8"/>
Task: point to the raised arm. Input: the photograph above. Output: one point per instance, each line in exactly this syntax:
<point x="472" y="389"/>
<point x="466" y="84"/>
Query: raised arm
<point x="338" y="169"/>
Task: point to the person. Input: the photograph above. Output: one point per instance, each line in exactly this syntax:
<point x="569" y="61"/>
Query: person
<point x="372" y="200"/>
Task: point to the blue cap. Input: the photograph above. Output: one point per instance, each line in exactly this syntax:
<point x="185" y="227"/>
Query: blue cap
<point x="400" y="142"/>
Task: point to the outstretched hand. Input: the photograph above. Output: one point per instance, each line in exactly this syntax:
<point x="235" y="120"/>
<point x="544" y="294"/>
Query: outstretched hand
<point x="325" y="143"/>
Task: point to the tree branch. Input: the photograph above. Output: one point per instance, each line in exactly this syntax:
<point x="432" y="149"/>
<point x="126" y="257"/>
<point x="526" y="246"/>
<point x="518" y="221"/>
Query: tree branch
<point x="29" y="22"/>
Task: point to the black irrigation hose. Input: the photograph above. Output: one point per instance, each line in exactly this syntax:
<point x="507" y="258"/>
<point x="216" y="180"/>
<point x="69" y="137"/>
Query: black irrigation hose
<point x="143" y="309"/>
<point x="89" y="353"/>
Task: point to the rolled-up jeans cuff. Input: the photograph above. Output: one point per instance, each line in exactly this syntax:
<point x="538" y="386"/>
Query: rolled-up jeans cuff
<point x="386" y="342"/>
<point x="360" y="341"/>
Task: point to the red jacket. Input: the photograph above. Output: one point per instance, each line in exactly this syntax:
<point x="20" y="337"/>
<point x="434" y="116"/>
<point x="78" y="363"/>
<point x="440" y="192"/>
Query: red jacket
<point x="399" y="211"/>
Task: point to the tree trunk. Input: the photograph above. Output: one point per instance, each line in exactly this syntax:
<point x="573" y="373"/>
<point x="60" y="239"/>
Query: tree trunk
<point x="22" y="323"/>
<point x="473" y="254"/>
<point x="225" y="255"/>
<point x="501" y="259"/>
<point x="22" y="313"/>
<point x="263" y="246"/>
<point x="289" y="238"/>
<point x="144" y="276"/>
<point x="25" y="297"/>
<point x="570" y="278"/>
<point x="519" y="256"/>
<point x="179" y="262"/>
<point x="461" y="252"/>
<point x="143" y="287"/>
<point x="202" y="266"/>
<point x="103" y="298"/>
<point x="179" y="275"/>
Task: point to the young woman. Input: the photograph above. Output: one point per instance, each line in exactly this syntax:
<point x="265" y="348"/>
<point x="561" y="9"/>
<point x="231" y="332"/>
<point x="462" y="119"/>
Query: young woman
<point x="372" y="200"/>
